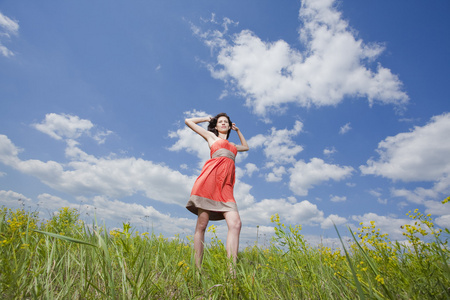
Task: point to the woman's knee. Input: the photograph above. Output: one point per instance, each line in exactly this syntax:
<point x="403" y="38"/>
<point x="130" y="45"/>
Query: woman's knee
<point x="201" y="225"/>
<point x="202" y="221"/>
<point x="235" y="224"/>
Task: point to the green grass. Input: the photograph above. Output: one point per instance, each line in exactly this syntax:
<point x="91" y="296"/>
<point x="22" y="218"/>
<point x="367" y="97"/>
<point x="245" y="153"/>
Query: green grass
<point x="65" y="259"/>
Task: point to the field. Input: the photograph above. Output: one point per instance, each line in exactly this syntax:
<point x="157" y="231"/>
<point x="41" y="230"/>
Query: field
<point x="63" y="258"/>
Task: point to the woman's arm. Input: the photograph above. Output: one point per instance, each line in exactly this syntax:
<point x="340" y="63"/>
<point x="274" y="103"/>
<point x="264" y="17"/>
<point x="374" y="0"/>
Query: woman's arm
<point x="207" y="135"/>
<point x="243" y="146"/>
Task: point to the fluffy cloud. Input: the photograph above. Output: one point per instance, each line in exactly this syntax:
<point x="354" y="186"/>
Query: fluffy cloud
<point x="344" y="129"/>
<point x="292" y="213"/>
<point x="276" y="175"/>
<point x="279" y="148"/>
<point x="112" y="177"/>
<point x="305" y="175"/>
<point x="89" y="175"/>
<point x="329" y="151"/>
<point x="8" y="28"/>
<point x="418" y="155"/>
<point x="443" y="221"/>
<point x="60" y="126"/>
<point x="13" y="199"/>
<point x="250" y="169"/>
<point x="333" y="66"/>
<point x="63" y="126"/>
<point x="334" y="198"/>
<point x="332" y="220"/>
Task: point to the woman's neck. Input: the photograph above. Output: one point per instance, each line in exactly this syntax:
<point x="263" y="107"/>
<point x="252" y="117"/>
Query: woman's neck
<point x="222" y="136"/>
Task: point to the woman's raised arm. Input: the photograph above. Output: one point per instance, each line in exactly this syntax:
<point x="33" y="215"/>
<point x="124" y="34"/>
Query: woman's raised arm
<point x="243" y="146"/>
<point x="207" y="135"/>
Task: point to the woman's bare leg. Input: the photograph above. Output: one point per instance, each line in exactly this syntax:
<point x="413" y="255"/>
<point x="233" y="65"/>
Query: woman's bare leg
<point x="199" y="236"/>
<point x="234" y="230"/>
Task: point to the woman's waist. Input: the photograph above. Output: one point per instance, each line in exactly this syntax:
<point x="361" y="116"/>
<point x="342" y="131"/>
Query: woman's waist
<point x="223" y="153"/>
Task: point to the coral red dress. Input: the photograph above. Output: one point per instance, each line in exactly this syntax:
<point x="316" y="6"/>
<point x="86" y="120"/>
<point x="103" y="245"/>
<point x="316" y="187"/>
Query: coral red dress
<point x="213" y="189"/>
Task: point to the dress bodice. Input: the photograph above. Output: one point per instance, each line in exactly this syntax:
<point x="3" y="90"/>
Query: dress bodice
<point x="223" y="148"/>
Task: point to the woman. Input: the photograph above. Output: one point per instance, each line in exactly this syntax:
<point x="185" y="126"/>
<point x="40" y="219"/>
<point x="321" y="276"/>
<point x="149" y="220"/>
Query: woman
<point x="212" y="195"/>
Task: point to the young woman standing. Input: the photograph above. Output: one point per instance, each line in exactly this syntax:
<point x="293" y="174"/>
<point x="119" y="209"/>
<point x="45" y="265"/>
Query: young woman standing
<point x="212" y="195"/>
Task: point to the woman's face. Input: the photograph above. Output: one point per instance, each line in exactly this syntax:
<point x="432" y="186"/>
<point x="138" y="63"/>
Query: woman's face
<point x="222" y="124"/>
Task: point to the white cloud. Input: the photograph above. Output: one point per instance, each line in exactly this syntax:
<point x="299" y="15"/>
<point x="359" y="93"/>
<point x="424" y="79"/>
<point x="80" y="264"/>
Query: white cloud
<point x="332" y="220"/>
<point x="443" y="221"/>
<point x="278" y="145"/>
<point x="8" y="28"/>
<point x="13" y="199"/>
<point x="242" y="194"/>
<point x="54" y="203"/>
<point x="62" y="126"/>
<point x="344" y="129"/>
<point x="279" y="148"/>
<point x="418" y="155"/>
<point x="69" y="127"/>
<point x="375" y="193"/>
<point x="382" y="201"/>
<point x="276" y="175"/>
<point x="334" y="198"/>
<point x="329" y="151"/>
<point x="378" y="194"/>
<point x="87" y="175"/>
<point x="290" y="213"/>
<point x="250" y="169"/>
<point x="305" y="175"/>
<point x="335" y="64"/>
<point x="417" y="196"/>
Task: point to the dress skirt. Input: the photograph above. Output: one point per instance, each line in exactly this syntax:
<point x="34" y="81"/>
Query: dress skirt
<point x="213" y="189"/>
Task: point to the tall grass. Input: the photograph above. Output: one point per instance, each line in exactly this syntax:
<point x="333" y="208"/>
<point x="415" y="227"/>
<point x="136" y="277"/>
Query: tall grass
<point x="65" y="259"/>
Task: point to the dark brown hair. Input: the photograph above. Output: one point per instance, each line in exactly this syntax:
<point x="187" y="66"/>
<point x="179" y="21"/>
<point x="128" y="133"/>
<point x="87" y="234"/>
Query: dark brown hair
<point x="213" y="123"/>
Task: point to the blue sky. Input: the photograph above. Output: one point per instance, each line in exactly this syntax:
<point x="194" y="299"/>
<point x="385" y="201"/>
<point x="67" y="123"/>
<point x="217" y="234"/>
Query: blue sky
<point x="344" y="104"/>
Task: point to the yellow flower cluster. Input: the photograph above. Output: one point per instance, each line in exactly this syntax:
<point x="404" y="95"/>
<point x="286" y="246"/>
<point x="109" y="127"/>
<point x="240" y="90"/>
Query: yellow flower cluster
<point x="333" y="259"/>
<point x="275" y="219"/>
<point x="379" y="279"/>
<point x="212" y="229"/>
<point x="372" y="239"/>
<point x="18" y="224"/>
<point x="182" y="265"/>
<point x="115" y="233"/>
<point x="65" y="222"/>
